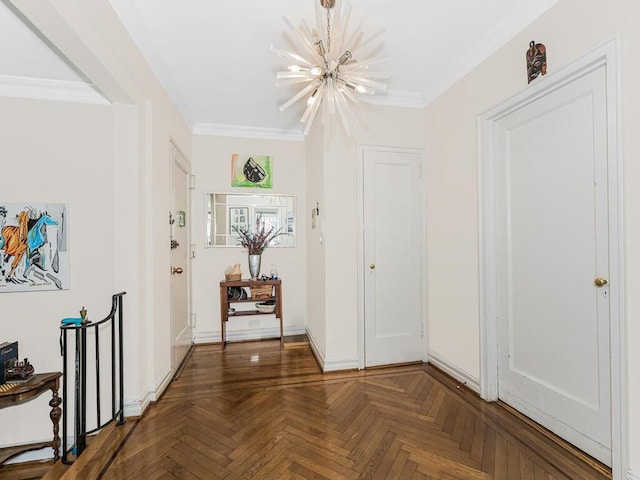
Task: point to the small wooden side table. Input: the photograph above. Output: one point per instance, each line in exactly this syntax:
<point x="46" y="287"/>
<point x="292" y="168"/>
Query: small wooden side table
<point x="225" y="302"/>
<point x="24" y="392"/>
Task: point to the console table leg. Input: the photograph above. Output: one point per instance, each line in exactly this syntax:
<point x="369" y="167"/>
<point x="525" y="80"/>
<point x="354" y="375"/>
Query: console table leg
<point x="55" y="414"/>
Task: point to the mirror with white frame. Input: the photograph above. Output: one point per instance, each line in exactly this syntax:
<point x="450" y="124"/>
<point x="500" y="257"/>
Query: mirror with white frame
<point x="240" y="210"/>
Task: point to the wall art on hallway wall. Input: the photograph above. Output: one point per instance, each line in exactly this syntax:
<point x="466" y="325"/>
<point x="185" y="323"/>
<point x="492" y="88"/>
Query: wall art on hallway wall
<point x="251" y="171"/>
<point x="34" y="251"/>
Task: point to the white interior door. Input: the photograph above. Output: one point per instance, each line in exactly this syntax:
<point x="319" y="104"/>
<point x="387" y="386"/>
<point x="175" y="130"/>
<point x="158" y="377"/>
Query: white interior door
<point x="393" y="239"/>
<point x="552" y="249"/>
<point x="180" y="325"/>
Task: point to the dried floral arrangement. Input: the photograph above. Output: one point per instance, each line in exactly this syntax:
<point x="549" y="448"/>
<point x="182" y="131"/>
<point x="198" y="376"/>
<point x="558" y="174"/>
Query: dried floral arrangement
<point x="257" y="240"/>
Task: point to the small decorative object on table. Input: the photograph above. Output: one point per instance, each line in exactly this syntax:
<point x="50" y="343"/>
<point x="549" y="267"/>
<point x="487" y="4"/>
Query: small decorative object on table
<point x="256" y="241"/>
<point x="266" y="307"/>
<point x="233" y="273"/>
<point x="260" y="292"/>
<point x="16" y="371"/>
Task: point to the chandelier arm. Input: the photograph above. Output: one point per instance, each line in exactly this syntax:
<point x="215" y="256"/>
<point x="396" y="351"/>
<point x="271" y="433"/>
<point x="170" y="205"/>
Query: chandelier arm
<point x="313" y="107"/>
<point x="367" y="74"/>
<point x="368" y="40"/>
<point x="294" y="81"/>
<point x="369" y="83"/>
<point x="340" y="32"/>
<point x="366" y="62"/>
<point x="312" y="117"/>
<point x="343" y="106"/>
<point x="299" y="95"/>
<point x="287" y="74"/>
<point x="371" y="51"/>
<point x="331" y="96"/>
<point x="307" y="40"/>
<point x="292" y="56"/>
<point x="320" y="26"/>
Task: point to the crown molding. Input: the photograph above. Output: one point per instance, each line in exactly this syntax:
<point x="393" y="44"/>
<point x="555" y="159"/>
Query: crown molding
<point x="47" y="89"/>
<point x="487" y="46"/>
<point x="247" y="132"/>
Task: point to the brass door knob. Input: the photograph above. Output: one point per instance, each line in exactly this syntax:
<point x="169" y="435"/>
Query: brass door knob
<point x="600" y="282"/>
<point x="372" y="266"/>
<point x="177" y="270"/>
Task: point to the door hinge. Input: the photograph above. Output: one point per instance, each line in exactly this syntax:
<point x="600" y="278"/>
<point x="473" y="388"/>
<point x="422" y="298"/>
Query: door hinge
<point x="192" y="182"/>
<point x="193" y="320"/>
<point x="422" y="330"/>
<point x="192" y="250"/>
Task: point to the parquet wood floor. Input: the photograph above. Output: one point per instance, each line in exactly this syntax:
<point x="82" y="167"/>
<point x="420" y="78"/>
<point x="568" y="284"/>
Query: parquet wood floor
<point x="254" y="411"/>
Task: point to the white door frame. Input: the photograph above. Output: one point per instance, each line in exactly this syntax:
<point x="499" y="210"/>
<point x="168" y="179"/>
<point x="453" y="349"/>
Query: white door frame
<point x="183" y="164"/>
<point x="361" y="260"/>
<point x="606" y="55"/>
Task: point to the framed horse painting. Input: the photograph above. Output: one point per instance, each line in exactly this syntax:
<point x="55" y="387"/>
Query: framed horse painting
<point x="33" y="247"/>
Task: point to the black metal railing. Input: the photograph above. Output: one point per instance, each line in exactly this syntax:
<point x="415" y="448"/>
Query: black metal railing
<point x="76" y="331"/>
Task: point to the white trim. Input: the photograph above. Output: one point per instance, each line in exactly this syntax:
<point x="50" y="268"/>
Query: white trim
<point x="248" y="334"/>
<point x="328" y="364"/>
<point x="179" y="159"/>
<point x="47" y="89"/>
<point x="606" y="54"/>
<point x="317" y="351"/>
<point x="458" y="373"/>
<point x="248" y="132"/>
<point x="487" y="46"/>
<point x="338" y="364"/>
<point x="361" y="261"/>
<point x="135" y="408"/>
<point x="632" y="476"/>
<point x="155" y="394"/>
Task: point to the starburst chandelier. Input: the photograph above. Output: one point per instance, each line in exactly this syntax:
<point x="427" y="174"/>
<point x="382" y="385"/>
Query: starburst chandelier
<point x="333" y="66"/>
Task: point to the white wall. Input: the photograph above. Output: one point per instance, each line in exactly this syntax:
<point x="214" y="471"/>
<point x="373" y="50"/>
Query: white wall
<point x="316" y="258"/>
<point x="569" y="29"/>
<point x="57" y="153"/>
<point x="385" y="126"/>
<point x="118" y="161"/>
<point x="212" y="168"/>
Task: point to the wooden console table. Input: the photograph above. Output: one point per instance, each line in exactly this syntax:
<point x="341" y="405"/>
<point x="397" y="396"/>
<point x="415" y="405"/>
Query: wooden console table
<point x="24" y="392"/>
<point x="225" y="303"/>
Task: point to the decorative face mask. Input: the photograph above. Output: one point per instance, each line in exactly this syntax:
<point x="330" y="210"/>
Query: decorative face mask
<point x="536" y="60"/>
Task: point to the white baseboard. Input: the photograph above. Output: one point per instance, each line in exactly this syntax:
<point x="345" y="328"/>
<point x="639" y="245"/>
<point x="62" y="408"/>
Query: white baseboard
<point x="155" y="394"/>
<point x="459" y="374"/>
<point x="135" y="408"/>
<point x="632" y="476"/>
<point x="316" y="350"/>
<point x="247" y="334"/>
<point x="341" y="363"/>
<point x="329" y="364"/>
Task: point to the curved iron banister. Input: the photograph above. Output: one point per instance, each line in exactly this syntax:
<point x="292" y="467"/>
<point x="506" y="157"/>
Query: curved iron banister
<point x="114" y="320"/>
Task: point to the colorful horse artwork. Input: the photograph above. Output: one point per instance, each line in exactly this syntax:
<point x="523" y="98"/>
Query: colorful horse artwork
<point x="15" y="242"/>
<point x="29" y="250"/>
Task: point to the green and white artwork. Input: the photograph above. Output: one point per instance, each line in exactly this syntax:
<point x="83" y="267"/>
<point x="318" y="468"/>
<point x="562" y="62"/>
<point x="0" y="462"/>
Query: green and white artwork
<point x="251" y="171"/>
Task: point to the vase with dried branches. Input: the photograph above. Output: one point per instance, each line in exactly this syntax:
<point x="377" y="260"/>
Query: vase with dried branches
<point x="255" y="241"/>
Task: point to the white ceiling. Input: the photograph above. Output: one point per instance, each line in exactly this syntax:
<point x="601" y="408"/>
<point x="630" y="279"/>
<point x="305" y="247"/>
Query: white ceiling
<point x="214" y="59"/>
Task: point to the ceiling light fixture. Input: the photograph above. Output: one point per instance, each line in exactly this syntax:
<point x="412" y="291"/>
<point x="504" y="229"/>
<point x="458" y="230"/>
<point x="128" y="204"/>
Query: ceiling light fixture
<point x="334" y="66"/>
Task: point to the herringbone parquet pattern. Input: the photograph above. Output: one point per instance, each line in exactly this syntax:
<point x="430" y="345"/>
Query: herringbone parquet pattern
<point x="269" y="414"/>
